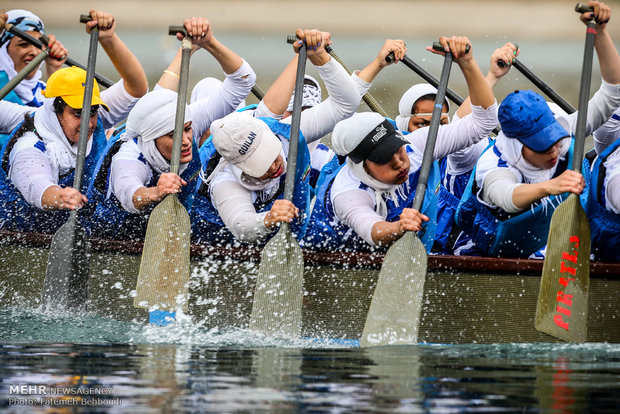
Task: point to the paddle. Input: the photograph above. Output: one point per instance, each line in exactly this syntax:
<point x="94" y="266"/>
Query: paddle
<point x="562" y="308"/>
<point x="38" y="43"/>
<point x="395" y="309"/>
<point x="368" y="98"/>
<point x="279" y="284"/>
<point x="34" y="63"/>
<point x="165" y="264"/>
<point x="68" y="264"/>
<point x="540" y="84"/>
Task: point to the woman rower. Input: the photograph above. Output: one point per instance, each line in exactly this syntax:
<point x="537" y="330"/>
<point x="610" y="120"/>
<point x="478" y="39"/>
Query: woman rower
<point x="366" y="203"/>
<point x="243" y="194"/>
<point x="134" y="175"/>
<point x="519" y="181"/>
<point x="16" y="53"/>
<point x="38" y="162"/>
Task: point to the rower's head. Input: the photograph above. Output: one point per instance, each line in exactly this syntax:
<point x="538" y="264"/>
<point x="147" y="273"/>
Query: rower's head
<point x="19" y="51"/>
<point x="525" y="116"/>
<point x="248" y="144"/>
<point x="151" y="122"/>
<point x="66" y="88"/>
<point x="416" y="108"/>
<point x="311" y="96"/>
<point x="371" y="139"/>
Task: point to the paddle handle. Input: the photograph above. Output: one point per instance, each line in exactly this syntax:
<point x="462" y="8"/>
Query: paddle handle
<point x="289" y="183"/>
<point x="582" y="8"/>
<point x="584" y="96"/>
<point x="86" y="103"/>
<point x="368" y="98"/>
<point x="33" y="65"/>
<point x="429" y="149"/>
<point x="546" y="89"/>
<point x="179" y="121"/>
<point x="258" y="92"/>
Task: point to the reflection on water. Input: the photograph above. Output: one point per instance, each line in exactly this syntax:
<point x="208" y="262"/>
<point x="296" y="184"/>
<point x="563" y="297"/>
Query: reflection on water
<point x="179" y="378"/>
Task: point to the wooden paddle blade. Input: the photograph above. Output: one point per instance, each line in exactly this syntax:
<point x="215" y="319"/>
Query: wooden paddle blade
<point x="68" y="268"/>
<point x="165" y="265"/>
<point x="562" y="309"/>
<point x="279" y="287"/>
<point x="394" y="319"/>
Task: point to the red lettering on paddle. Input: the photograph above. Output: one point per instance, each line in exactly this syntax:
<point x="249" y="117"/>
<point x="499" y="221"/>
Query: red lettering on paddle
<point x="564" y="298"/>
<point x="560" y="322"/>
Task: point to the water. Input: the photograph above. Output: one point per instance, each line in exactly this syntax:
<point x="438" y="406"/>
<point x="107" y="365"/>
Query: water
<point x="188" y="369"/>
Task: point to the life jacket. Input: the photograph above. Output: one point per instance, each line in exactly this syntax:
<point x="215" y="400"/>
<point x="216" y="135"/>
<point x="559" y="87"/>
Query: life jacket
<point x="109" y="219"/>
<point x="604" y="224"/>
<point x="208" y="227"/>
<point x="326" y="232"/>
<point x="501" y="234"/>
<point x="16" y="214"/>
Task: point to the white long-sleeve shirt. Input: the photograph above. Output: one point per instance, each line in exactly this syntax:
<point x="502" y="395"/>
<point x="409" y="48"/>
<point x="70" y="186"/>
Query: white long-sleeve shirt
<point x="498" y="186"/>
<point x="128" y="175"/>
<point x="234" y="202"/>
<point x="31" y="170"/>
<point x="355" y="207"/>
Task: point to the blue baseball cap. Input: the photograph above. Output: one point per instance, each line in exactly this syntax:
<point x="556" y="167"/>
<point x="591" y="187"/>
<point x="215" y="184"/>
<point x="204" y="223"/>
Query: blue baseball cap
<point x="524" y="115"/>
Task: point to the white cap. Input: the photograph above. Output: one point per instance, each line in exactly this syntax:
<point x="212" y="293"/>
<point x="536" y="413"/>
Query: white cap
<point x="246" y="142"/>
<point x="311" y="95"/>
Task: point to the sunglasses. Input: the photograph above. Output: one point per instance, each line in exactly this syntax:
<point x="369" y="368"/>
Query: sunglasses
<point x="93" y="111"/>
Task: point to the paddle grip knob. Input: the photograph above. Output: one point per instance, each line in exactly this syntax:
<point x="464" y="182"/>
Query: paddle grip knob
<point x="503" y="64"/>
<point x="85" y="18"/>
<point x="173" y="30"/>
<point x="45" y="40"/>
<point x="582" y="8"/>
<point x="437" y="46"/>
<point x="290" y="39"/>
<point x="390" y="57"/>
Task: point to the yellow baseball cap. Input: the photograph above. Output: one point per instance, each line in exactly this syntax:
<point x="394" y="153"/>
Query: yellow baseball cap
<point x="69" y="84"/>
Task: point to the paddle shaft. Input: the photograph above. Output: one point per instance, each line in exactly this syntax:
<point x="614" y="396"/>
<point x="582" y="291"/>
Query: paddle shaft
<point x="179" y="121"/>
<point x="584" y="96"/>
<point x="6" y="89"/>
<point x="69" y="62"/>
<point x="85" y="118"/>
<point x="433" y="128"/>
<point x="289" y="183"/>
<point x="368" y="98"/>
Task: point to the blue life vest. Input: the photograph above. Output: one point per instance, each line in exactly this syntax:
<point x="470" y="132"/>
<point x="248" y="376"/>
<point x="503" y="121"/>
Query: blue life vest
<point x="604" y="224"/>
<point x="326" y="232"/>
<point x="109" y="219"/>
<point x="17" y="214"/>
<point x="208" y="227"/>
<point x="14" y="97"/>
<point x="500" y="234"/>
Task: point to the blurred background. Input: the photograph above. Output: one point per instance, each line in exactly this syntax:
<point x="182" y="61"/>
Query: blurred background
<point x="548" y="33"/>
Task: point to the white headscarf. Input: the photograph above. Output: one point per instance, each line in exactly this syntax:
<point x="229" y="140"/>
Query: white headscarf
<point x="61" y="152"/>
<point x="152" y="117"/>
<point x="408" y="100"/>
<point x="206" y="87"/>
<point x="29" y="90"/>
<point x="311" y="95"/>
<point x="511" y="150"/>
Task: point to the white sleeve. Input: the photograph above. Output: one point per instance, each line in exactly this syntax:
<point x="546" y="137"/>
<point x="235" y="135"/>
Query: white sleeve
<point x="262" y="111"/>
<point x="458" y="134"/>
<point x="119" y="102"/>
<point x="464" y="160"/>
<point x="600" y="108"/>
<point x="342" y="102"/>
<point x="362" y="86"/>
<point x="224" y="100"/>
<point x="355" y="208"/>
<point x="234" y="205"/>
<point x="499" y="184"/>
<point x="607" y="133"/>
<point x="31" y="173"/>
<point x="126" y="177"/>
<point x="612" y="193"/>
<point x="11" y="114"/>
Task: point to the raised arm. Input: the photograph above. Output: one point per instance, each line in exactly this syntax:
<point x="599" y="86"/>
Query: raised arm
<point x="370" y="72"/>
<point x="125" y="62"/>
